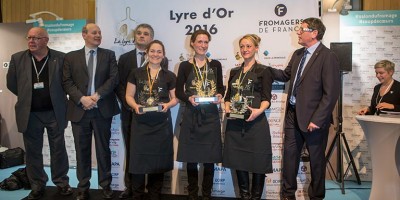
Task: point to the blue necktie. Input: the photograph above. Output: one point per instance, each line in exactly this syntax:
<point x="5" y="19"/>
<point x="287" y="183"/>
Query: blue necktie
<point x="298" y="75"/>
<point x="90" y="70"/>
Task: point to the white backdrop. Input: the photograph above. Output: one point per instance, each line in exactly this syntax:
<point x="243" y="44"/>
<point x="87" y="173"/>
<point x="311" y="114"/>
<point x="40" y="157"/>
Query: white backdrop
<point x="375" y="36"/>
<point x="227" y="21"/>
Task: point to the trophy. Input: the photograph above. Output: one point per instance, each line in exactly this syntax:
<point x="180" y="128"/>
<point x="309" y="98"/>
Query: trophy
<point x="150" y="102"/>
<point x="205" y="94"/>
<point x="241" y="100"/>
<point x="239" y="109"/>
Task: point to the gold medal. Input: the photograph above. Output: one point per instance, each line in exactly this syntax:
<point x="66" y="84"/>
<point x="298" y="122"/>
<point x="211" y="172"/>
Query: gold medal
<point x="150" y="101"/>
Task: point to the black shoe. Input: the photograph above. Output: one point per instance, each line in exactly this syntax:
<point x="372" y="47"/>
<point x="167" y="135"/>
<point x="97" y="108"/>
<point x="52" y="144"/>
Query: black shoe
<point x="36" y="194"/>
<point x="65" y="191"/>
<point x="126" y="194"/>
<point x="108" y="193"/>
<point x="83" y="195"/>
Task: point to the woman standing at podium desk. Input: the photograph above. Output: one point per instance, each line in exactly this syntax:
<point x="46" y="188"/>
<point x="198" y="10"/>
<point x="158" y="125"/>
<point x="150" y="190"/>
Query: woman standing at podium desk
<point x="386" y="95"/>
<point x="150" y="93"/>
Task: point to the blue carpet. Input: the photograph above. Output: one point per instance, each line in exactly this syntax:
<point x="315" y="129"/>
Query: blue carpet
<point x="353" y="191"/>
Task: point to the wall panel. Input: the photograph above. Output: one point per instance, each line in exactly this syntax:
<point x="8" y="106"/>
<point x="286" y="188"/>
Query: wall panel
<point x="19" y="10"/>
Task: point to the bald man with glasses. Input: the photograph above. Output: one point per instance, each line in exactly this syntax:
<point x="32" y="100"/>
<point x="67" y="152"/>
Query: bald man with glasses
<point x="35" y="77"/>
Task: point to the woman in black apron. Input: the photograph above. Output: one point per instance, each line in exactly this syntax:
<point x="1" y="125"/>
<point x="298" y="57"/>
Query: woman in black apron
<point x="247" y="146"/>
<point x="200" y="88"/>
<point x="150" y="93"/>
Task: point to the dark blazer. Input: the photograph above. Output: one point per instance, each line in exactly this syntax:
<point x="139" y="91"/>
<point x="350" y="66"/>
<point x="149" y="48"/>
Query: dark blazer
<point x="76" y="79"/>
<point x="392" y="97"/>
<point x="319" y="86"/>
<point x="126" y="63"/>
<point x="19" y="82"/>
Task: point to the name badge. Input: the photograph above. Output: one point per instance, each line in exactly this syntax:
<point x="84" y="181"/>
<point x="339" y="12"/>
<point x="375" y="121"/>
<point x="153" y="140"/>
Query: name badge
<point x="39" y="85"/>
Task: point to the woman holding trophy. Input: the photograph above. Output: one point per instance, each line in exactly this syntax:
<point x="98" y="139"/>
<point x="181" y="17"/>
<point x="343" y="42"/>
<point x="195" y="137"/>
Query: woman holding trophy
<point x="150" y="93"/>
<point x="247" y="146"/>
<point x="200" y="88"/>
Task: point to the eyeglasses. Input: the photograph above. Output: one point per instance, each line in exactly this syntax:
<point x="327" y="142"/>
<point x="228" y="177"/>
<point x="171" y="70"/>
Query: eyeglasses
<point x="35" y="39"/>
<point x="302" y="29"/>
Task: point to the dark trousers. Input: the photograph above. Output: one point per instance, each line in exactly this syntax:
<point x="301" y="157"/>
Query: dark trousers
<point x="153" y="186"/>
<point x="33" y="141"/>
<point x="126" y="121"/>
<point x="207" y="184"/>
<point x="316" y="143"/>
<point x="92" y="122"/>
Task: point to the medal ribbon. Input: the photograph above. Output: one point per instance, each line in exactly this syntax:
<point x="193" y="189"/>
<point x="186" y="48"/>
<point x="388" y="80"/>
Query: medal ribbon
<point x="244" y="76"/>
<point x="151" y="83"/>
<point x="199" y="74"/>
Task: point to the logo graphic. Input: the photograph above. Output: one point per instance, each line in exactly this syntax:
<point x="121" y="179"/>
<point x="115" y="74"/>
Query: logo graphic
<point x="280" y="10"/>
<point x="124" y="30"/>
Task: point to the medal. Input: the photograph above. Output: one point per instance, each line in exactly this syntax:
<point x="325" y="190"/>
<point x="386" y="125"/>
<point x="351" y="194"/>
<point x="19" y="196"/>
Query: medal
<point x="150" y="101"/>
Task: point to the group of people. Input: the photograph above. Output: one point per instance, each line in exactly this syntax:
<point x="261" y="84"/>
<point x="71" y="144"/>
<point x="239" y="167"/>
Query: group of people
<point x="94" y="82"/>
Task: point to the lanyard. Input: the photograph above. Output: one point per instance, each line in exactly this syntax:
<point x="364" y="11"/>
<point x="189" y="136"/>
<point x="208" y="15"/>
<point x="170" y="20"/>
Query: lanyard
<point x="199" y="74"/>
<point x="34" y="64"/>
<point x="244" y="76"/>
<point x="151" y="83"/>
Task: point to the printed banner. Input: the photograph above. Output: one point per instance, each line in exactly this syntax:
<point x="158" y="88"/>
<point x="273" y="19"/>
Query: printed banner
<point x="227" y="21"/>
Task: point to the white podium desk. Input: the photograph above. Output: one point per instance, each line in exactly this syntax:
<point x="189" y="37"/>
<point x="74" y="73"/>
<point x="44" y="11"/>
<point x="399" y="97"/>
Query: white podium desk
<point x="382" y="134"/>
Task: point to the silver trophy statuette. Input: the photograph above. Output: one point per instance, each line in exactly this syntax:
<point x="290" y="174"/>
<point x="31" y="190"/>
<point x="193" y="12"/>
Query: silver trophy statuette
<point x="239" y="109"/>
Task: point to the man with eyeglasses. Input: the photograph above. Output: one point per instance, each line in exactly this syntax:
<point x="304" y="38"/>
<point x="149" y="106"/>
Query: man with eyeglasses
<point x="313" y="72"/>
<point x="35" y="77"/>
<point x="143" y="35"/>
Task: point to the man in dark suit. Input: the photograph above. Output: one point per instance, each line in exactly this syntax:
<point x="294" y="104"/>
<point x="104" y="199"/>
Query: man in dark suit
<point x="35" y="76"/>
<point x="143" y="35"/>
<point x="313" y="72"/>
<point x="90" y="76"/>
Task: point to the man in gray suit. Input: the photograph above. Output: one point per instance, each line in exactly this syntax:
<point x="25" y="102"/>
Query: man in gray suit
<point x="90" y="76"/>
<point x="313" y="72"/>
<point x="35" y="76"/>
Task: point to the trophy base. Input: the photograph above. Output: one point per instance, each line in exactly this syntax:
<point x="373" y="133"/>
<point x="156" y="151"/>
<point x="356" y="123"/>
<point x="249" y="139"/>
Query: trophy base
<point x="151" y="109"/>
<point x="237" y="116"/>
<point x="205" y="99"/>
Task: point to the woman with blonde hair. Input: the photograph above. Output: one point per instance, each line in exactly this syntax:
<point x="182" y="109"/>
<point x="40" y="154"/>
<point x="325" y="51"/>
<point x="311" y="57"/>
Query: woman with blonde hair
<point x="247" y="147"/>
<point x="386" y="95"/>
